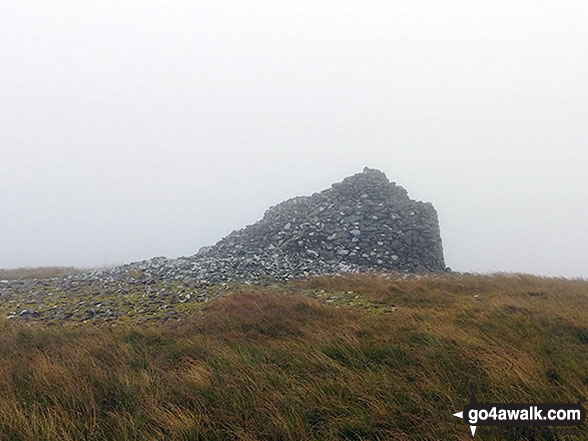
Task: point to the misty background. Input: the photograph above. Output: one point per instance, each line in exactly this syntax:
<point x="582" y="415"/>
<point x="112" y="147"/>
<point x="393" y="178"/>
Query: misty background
<point x="131" y="129"/>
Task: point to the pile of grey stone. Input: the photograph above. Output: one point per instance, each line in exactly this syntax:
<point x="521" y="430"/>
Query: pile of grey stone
<point x="364" y="223"/>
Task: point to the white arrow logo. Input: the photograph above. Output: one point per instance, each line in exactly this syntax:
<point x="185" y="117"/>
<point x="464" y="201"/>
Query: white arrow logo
<point x="460" y="415"/>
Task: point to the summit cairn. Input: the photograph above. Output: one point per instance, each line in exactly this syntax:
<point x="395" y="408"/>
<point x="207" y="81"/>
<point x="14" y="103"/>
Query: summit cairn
<point x="363" y="223"/>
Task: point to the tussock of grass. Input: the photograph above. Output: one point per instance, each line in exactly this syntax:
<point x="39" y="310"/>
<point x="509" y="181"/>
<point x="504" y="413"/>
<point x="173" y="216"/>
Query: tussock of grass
<point x="278" y="364"/>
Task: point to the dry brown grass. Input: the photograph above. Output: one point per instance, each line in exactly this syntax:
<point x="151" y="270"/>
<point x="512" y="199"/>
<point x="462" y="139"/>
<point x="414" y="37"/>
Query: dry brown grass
<point x="43" y="272"/>
<point x="280" y="365"/>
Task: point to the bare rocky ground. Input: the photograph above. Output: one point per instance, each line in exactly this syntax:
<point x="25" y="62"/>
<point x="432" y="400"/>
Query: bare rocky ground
<point x="134" y="298"/>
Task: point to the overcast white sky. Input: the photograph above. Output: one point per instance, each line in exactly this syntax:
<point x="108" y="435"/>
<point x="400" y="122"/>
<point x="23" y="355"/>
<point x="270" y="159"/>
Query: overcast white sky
<point x="130" y="129"/>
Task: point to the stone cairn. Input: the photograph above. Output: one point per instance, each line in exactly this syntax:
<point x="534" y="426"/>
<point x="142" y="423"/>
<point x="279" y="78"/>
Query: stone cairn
<point x="363" y="223"/>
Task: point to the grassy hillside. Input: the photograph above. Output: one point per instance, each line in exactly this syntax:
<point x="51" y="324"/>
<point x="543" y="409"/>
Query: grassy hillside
<point x="345" y="358"/>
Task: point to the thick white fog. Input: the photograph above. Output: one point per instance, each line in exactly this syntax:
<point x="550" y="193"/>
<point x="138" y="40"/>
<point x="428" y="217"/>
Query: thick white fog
<point x="130" y="129"/>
